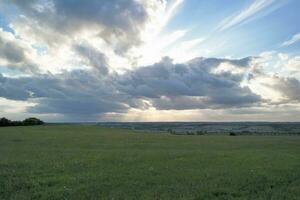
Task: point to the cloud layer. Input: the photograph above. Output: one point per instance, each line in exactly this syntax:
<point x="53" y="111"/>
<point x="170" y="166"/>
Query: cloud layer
<point x="80" y="60"/>
<point x="164" y="86"/>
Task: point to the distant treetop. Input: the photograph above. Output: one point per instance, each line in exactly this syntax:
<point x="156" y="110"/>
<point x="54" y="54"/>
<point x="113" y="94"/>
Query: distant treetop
<point x="27" y="122"/>
<point x="33" y="121"/>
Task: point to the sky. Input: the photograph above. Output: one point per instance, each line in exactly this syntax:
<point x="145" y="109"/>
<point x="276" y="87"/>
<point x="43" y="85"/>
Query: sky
<point x="150" y="60"/>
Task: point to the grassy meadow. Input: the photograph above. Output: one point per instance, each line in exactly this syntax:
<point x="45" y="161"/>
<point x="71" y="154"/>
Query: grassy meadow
<point x="93" y="162"/>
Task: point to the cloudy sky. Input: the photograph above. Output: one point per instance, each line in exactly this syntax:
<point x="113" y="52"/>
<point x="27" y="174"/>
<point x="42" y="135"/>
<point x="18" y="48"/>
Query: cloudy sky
<point x="150" y="60"/>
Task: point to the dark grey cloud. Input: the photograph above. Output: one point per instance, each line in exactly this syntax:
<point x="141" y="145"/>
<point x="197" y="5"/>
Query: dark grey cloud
<point x="10" y="89"/>
<point x="179" y="86"/>
<point x="71" y="93"/>
<point x="164" y="85"/>
<point x="13" y="53"/>
<point x="93" y="57"/>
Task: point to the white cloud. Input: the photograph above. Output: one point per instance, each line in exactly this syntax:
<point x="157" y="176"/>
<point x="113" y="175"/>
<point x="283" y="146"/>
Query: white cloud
<point x="126" y="32"/>
<point x="152" y="51"/>
<point x="275" y="76"/>
<point x="155" y="43"/>
<point x="294" y="63"/>
<point x="283" y="56"/>
<point x="185" y="50"/>
<point x="246" y="14"/>
<point x="291" y="41"/>
<point x="12" y="106"/>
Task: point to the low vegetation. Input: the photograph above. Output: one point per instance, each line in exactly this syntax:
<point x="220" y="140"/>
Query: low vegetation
<point x="209" y="128"/>
<point x="94" y="162"/>
<point x="27" y="122"/>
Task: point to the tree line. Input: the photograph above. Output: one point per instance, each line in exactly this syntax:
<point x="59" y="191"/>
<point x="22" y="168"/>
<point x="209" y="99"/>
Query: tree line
<point x="26" y="122"/>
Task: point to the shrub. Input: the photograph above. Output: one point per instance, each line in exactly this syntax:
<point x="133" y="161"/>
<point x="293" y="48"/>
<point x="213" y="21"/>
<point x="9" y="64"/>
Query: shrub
<point x="232" y="134"/>
<point x="200" y="132"/>
<point x="189" y="133"/>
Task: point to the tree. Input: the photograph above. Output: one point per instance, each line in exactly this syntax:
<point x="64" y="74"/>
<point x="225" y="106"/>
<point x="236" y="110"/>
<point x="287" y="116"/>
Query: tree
<point x="26" y="122"/>
<point x="32" y="121"/>
<point x="16" y="123"/>
<point x="4" y="122"/>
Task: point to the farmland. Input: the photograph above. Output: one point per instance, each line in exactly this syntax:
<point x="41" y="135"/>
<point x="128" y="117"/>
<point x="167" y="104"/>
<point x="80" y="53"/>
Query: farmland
<point x="96" y="162"/>
<point x="202" y="128"/>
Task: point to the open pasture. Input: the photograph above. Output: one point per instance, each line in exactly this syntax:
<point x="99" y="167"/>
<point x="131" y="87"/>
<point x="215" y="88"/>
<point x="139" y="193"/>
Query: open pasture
<point x="94" y="162"/>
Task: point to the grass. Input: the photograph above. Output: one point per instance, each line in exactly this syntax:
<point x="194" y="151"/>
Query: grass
<point x="91" y="162"/>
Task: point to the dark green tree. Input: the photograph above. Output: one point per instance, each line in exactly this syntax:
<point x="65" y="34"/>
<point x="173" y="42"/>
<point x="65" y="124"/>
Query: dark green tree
<point x="32" y="121"/>
<point x="4" y="122"/>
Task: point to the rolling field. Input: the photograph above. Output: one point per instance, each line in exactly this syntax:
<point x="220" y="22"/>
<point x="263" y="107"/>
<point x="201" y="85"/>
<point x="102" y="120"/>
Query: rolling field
<point x="92" y="162"/>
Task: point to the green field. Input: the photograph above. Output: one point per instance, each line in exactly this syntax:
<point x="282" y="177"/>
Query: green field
<point x="92" y="162"/>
